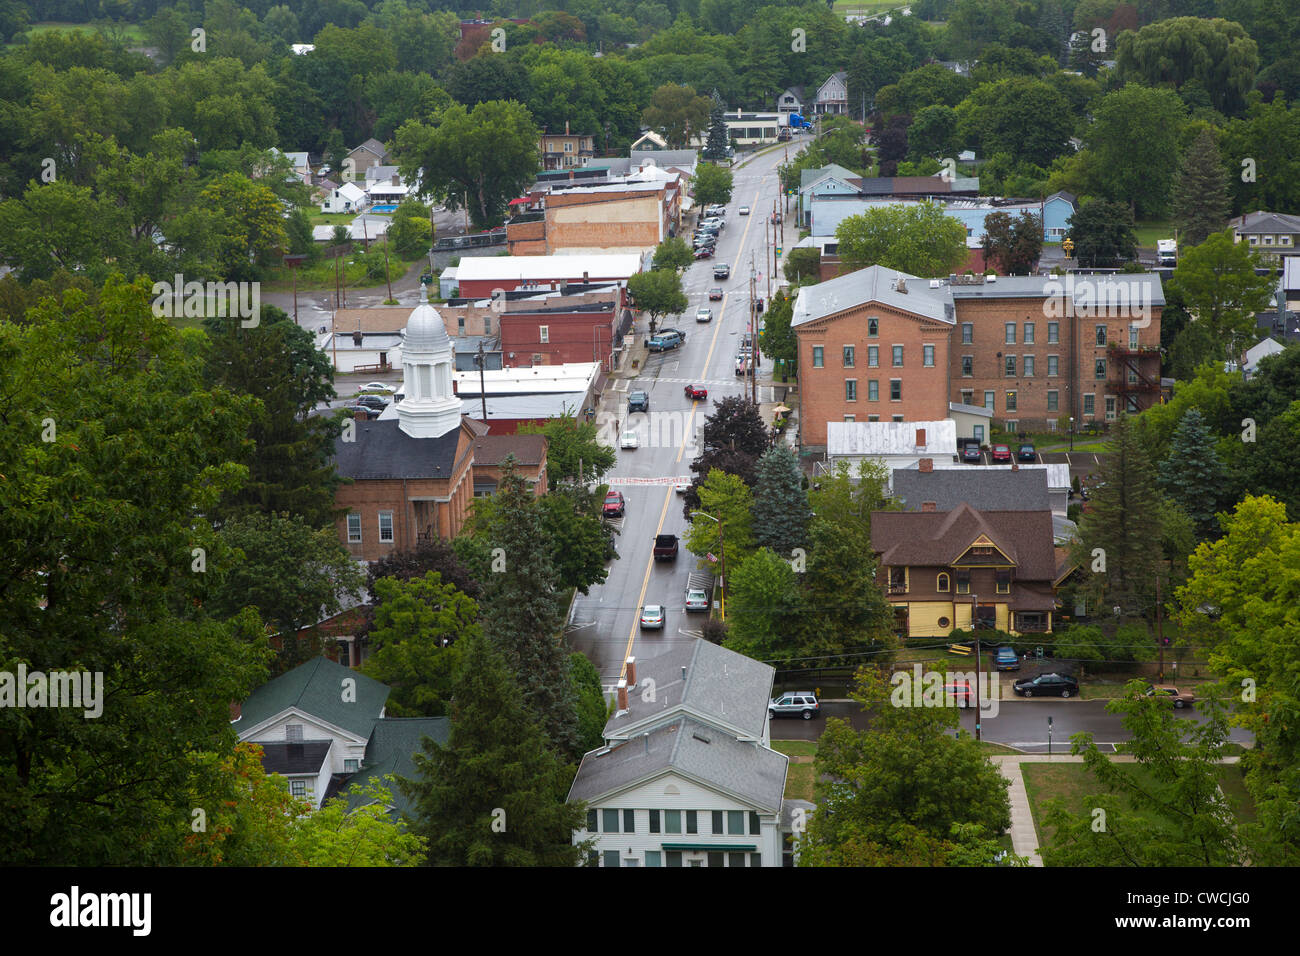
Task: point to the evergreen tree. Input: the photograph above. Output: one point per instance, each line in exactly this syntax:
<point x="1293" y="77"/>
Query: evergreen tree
<point x="1201" y="199"/>
<point x="593" y="711"/>
<point x="521" y="611"/>
<point x="1123" y="521"/>
<point x="715" y="148"/>
<point x="495" y="794"/>
<point x="781" y="511"/>
<point x="1193" y="475"/>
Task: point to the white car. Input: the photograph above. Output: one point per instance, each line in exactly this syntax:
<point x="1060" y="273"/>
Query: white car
<point x="682" y="487"/>
<point x="629" y="440"/>
<point x="378" y="387"/>
<point x="744" y="210"/>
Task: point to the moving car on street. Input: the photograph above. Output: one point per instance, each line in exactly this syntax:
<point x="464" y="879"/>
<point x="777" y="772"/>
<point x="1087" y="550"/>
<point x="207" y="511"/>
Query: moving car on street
<point x="629" y="440"/>
<point x="638" y="402"/>
<point x="614" y="504"/>
<point x="665" y="547"/>
<point x="801" y="702"/>
<point x="1179" y="698"/>
<point x="703" y="314"/>
<point x="715" y="295"/>
<point x="744" y="210"/>
<point x="697" y="394"/>
<point x="652" y="617"/>
<point x="721" y="270"/>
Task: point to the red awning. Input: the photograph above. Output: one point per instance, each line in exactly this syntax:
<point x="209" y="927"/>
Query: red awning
<point x="516" y="202"/>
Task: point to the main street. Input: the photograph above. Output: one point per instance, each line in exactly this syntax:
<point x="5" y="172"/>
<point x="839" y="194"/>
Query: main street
<point x="605" y="623"/>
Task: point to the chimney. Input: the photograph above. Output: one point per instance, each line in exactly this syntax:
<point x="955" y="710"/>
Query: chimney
<point x="566" y="127"/>
<point x="359" y="415"/>
<point x="397" y="180"/>
<point x="236" y="710"/>
<point x="631" y="671"/>
<point x="683" y="672"/>
<point x="920" y="438"/>
<point x="622" y="695"/>
<point x="356" y="338"/>
<point x="925" y="466"/>
<point x="901" y="285"/>
<point x="929" y="506"/>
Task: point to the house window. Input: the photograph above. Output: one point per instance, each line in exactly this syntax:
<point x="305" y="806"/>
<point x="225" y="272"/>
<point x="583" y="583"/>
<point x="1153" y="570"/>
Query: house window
<point x="385" y="526"/>
<point x="611" y="858"/>
<point x="1011" y="400"/>
<point x="1101" y="336"/>
<point x="354" y="529"/>
<point x="967" y="396"/>
<point x="941" y="584"/>
<point x="487" y="325"/>
<point x="898" y="580"/>
<point x="873" y="327"/>
<point x="592" y="826"/>
<point x="1003" y="581"/>
<point x="674" y="857"/>
<point x="927" y="356"/>
<point x="1133" y="338"/>
<point x="756" y="859"/>
<point x="298" y="788"/>
<point x="754" y="826"/>
<point x="873" y="418"/>
<point x="850" y="418"/>
<point x="609" y="821"/>
<point x="736" y="822"/>
<point x="672" y="821"/>
<point x="1089" y="404"/>
<point x="851" y="390"/>
<point x="692" y="821"/>
<point x="460" y="324"/>
<point x="629" y="821"/>
<point x="967" y="333"/>
<point x="988" y="400"/>
<point x="1011" y="333"/>
<point x="544" y="333"/>
<point x="717" y="822"/>
<point x="963" y="581"/>
<point x="967" y="366"/>
<point x="873" y="390"/>
<point x="1052" y="400"/>
<point x="1011" y="366"/>
<point x="895" y="389"/>
<point x="1101" y="368"/>
<point x="1053" y="365"/>
<point x="848" y="356"/>
<point x="818" y="355"/>
<point x="1110" y="408"/>
<point x="654" y="821"/>
<point x="1012" y="425"/>
<point x="654" y="858"/>
<point x="735" y="860"/>
<point x="293" y="733"/>
<point x="873" y="356"/>
<point x="979" y="433"/>
<point x="1053" y="333"/>
<point x="1029" y="366"/>
<point x="1029" y="333"/>
<point x="898" y="356"/>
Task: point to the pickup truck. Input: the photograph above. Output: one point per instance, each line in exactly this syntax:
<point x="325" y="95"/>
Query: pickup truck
<point x="665" y="547"/>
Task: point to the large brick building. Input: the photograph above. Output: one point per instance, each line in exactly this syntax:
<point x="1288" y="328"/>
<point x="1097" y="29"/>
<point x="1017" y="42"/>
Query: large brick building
<point x="1035" y="350"/>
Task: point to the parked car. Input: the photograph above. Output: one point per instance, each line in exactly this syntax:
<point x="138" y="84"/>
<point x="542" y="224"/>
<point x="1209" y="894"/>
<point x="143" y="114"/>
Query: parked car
<point x="614" y="504"/>
<point x="638" y="402"/>
<point x="652" y="617"/>
<point x="369" y="412"/>
<point x="721" y="270"/>
<point x="667" y="330"/>
<point x="703" y="314"/>
<point x="702" y="239"/>
<point x="1026" y="452"/>
<point x="704" y="252"/>
<point x="378" y="387"/>
<point x="1180" y="698"/>
<point x="742" y="365"/>
<point x="713" y="222"/>
<point x="682" y="487"/>
<point x="697" y="394"/>
<point x="972" y="455"/>
<point x="1006" y="659"/>
<point x="1001" y="453"/>
<point x="801" y="702"/>
<point x="665" y="341"/>
<point x="744" y="210"/>
<point x="959" y="693"/>
<point x="629" y="440"/>
<point x="377" y="402"/>
<point x="715" y="294"/>
<point x="1046" y="685"/>
<point x="696" y="599"/>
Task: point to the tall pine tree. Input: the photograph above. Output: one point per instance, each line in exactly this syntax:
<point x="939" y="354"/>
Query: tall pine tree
<point x="715" y="148"/>
<point x="781" y="509"/>
<point x="1201" y="200"/>
<point x="1193" y="475"/>
<point x="495" y="794"/>
<point x="521" y="611"/>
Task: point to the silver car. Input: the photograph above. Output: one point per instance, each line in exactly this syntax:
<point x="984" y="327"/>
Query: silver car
<point x="696" y="599"/>
<point x="801" y="702"/>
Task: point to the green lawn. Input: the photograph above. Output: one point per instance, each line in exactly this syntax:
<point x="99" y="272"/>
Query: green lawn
<point x="319" y="218"/>
<point x="844" y="7"/>
<point x="1149" y="232"/>
<point x="799" y="782"/>
<point x="795" y="748"/>
<point x="131" y="32"/>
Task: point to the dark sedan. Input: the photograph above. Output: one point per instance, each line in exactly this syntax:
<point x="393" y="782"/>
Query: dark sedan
<point x="1026" y="452"/>
<point x="1047" y="685"/>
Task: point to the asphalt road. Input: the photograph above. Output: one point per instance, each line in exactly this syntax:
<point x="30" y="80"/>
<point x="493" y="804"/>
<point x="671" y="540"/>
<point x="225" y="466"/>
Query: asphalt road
<point x="605" y="623"/>
<point x="1019" y="723"/>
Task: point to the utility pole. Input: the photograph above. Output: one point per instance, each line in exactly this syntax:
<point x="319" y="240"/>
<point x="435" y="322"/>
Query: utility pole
<point x="337" y="304"/>
<point x="1160" y="629"/>
<point x="482" y="379"/>
<point x="978" y="669"/>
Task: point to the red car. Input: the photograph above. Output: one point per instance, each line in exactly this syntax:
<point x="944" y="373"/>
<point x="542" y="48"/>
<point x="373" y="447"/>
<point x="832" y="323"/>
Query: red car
<point x="958" y="694"/>
<point x="715" y="295"/>
<point x="697" y="394"/>
<point x="1001" y="453"/>
<point x="705" y="252"/>
<point x="614" y="504"/>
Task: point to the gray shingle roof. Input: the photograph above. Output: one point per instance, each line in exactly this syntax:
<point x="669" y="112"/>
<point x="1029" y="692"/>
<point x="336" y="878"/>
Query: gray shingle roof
<point x="721" y="686"/>
<point x="1266" y="222"/>
<point x="873" y="284"/>
<point x="1080" y="287"/>
<point x="316" y="688"/>
<point x="383" y="450"/>
<point x="1024" y="490"/>
<point x="746" y="770"/>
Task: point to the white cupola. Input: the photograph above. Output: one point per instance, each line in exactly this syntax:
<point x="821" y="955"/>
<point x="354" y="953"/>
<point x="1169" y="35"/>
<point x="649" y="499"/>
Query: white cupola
<point x="430" y="408"/>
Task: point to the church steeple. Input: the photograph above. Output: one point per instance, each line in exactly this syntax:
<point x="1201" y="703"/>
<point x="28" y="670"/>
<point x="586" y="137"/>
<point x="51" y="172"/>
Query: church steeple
<point x="430" y="408"/>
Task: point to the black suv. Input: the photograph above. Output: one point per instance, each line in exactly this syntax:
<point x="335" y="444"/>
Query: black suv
<point x="638" y="402"/>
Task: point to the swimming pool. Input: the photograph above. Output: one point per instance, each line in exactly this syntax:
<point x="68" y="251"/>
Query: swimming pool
<point x="387" y="207"/>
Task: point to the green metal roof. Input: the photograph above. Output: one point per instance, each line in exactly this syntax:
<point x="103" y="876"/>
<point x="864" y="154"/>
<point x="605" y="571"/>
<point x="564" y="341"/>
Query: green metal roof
<point x="317" y="688"/>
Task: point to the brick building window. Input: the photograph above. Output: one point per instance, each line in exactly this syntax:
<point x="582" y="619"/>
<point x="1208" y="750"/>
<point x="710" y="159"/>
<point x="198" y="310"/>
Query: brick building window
<point x="1101" y="336"/>
<point x="851" y="390"/>
<point x="385" y="526"/>
<point x="968" y="396"/>
<point x="873" y="327"/>
<point x="873" y="390"/>
<point x="354" y="528"/>
<point x="967" y="333"/>
<point x="895" y="389"/>
<point x="873" y="356"/>
<point x="849" y="357"/>
<point x="544" y="334"/>
<point x="1052" y="400"/>
<point x="927" y="356"/>
<point x="1011" y="400"/>
<point x="1011" y="333"/>
<point x="1029" y="366"/>
<point x="1053" y="365"/>
<point x="1029" y="333"/>
<point x="1090" y="404"/>
<point x="819" y="353"/>
<point x="1101" y="368"/>
<point x="898" y="356"/>
<point x="1053" y="333"/>
<point x="1011" y="366"/>
<point x="967" y="366"/>
<point x="988" y="399"/>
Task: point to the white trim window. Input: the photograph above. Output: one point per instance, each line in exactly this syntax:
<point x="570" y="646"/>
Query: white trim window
<point x="386" y="526"/>
<point x="354" y="528"/>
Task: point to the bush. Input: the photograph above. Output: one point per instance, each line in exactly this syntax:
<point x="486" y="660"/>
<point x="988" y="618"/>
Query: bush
<point x="714" y="630"/>
<point x="1074" y="512"/>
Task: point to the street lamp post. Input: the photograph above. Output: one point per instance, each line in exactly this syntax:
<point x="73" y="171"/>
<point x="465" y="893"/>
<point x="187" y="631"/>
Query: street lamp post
<point x="722" y="559"/>
<point x="1071" y="433"/>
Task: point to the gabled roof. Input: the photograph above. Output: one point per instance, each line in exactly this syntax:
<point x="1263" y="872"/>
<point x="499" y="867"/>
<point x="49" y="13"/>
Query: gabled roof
<point x="393" y="743"/>
<point x="351" y="191"/>
<point x="1071" y="198"/>
<point x="745" y="770"/>
<point x="494" y="449"/>
<point x="383" y="451"/>
<point x="938" y="538"/>
<point x="317" y="688"/>
<point x="1023" y="490"/>
<point x="1266" y="222"/>
<point x="374" y="146"/>
<point x="720" y="687"/>
<point x="809" y="177"/>
<point x="872" y="284"/>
